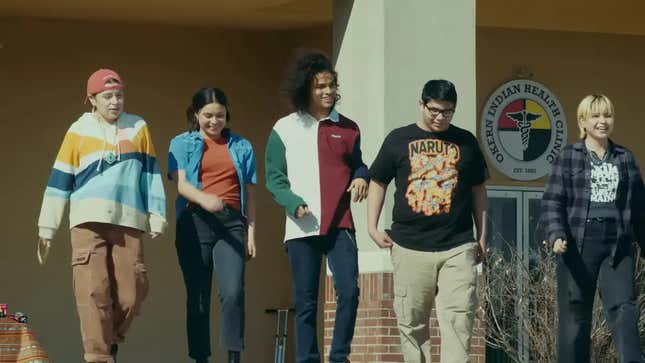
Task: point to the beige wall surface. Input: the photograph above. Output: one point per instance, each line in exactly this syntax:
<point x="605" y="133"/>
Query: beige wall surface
<point x="43" y="69"/>
<point x="572" y="65"/>
<point x="250" y="14"/>
<point x="592" y="16"/>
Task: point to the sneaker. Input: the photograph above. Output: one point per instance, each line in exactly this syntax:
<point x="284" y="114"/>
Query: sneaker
<point x="114" y="349"/>
<point x="233" y="356"/>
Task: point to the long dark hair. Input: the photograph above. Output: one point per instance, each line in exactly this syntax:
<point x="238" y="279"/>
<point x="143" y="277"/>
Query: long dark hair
<point x="202" y="98"/>
<point x="297" y="85"/>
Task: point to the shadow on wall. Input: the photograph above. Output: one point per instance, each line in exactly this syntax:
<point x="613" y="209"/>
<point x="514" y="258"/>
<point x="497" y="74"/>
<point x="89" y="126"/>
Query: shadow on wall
<point x="342" y="13"/>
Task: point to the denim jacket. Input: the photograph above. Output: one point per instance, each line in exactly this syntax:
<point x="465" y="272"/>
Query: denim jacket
<point x="186" y="152"/>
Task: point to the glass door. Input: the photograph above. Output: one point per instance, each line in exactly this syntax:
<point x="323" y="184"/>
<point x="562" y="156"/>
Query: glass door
<point x="504" y="237"/>
<point x="513" y="231"/>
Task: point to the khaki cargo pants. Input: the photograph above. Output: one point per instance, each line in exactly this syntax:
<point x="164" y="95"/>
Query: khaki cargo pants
<point x="418" y="276"/>
<point x="110" y="283"/>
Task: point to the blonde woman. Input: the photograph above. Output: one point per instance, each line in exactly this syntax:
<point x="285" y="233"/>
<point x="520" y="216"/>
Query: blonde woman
<point x="593" y="210"/>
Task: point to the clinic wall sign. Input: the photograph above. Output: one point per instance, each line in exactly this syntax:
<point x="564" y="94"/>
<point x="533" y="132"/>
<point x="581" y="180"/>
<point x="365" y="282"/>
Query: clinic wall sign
<point x="523" y="129"/>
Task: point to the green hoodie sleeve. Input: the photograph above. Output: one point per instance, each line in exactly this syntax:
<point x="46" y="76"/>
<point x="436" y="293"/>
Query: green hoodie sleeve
<point x="277" y="181"/>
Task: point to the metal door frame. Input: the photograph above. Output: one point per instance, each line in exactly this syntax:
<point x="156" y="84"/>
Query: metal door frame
<point x="522" y="195"/>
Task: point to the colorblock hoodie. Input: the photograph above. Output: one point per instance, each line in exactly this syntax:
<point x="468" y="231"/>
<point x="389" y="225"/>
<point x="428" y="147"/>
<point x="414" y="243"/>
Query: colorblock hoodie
<point x="109" y="174"/>
<point x="312" y="162"/>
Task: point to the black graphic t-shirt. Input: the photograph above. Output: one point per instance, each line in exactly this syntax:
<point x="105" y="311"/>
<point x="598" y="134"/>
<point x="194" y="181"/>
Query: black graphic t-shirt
<point x="434" y="174"/>
<point x="605" y="178"/>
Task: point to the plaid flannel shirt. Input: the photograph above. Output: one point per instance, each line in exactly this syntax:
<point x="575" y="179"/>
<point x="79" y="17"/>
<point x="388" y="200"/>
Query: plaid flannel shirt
<point x="565" y="202"/>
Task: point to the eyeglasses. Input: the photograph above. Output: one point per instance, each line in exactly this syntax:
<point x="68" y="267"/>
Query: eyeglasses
<point x="434" y="112"/>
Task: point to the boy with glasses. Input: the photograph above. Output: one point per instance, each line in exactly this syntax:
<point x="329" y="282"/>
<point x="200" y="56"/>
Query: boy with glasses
<point x="439" y="173"/>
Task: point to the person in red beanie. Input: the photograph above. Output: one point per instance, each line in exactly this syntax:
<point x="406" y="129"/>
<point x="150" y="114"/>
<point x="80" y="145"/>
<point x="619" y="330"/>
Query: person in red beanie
<point x="107" y="170"/>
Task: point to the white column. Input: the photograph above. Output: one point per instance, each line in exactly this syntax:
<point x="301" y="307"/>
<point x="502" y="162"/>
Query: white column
<point x="385" y="51"/>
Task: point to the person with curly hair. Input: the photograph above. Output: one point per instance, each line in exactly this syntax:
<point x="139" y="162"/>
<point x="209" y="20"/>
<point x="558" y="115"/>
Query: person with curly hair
<point x="314" y="168"/>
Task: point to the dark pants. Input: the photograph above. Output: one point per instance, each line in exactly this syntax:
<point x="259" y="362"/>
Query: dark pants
<point x="206" y="242"/>
<point x="305" y="257"/>
<point x="578" y="275"/>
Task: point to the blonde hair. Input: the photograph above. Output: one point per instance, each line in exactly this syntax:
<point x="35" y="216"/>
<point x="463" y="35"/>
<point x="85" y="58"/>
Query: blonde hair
<point x="594" y="103"/>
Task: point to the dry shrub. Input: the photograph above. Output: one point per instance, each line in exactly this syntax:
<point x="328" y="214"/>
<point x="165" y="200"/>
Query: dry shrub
<point x="519" y="294"/>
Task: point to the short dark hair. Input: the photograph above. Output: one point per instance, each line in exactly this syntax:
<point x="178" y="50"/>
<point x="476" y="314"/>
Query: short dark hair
<point x="439" y="90"/>
<point x="202" y="98"/>
<point x="297" y="86"/>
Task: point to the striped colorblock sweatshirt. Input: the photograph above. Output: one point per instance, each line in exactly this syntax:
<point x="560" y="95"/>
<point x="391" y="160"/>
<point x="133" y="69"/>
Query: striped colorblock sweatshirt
<point x="312" y="162"/>
<point x="109" y="173"/>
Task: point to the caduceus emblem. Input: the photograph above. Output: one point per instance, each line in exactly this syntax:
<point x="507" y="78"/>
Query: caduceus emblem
<point x="523" y="119"/>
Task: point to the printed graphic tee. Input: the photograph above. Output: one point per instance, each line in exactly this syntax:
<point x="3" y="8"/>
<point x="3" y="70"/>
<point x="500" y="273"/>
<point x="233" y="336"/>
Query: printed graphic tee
<point x="434" y="174"/>
<point x="604" y="186"/>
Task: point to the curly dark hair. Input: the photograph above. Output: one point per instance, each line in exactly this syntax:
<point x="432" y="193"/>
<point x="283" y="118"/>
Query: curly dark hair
<point x="297" y="86"/>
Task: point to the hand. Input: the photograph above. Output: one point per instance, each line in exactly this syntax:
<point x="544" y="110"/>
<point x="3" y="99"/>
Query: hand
<point x="382" y="239"/>
<point x="302" y="211"/>
<point x="44" y="242"/>
<point x="42" y="250"/>
<point x="559" y="246"/>
<point x="358" y="188"/>
<point x="212" y="203"/>
<point x="482" y="252"/>
<point x="250" y="247"/>
<point x="154" y="235"/>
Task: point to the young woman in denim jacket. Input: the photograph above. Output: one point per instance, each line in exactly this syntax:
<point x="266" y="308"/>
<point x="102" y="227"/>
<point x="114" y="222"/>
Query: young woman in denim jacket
<point x="214" y="170"/>
<point x="593" y="210"/>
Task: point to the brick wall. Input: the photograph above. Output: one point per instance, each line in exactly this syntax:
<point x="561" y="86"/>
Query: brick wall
<point x="376" y="337"/>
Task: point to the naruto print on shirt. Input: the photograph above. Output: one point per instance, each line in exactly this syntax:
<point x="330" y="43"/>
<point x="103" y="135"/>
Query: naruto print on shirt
<point x="433" y="176"/>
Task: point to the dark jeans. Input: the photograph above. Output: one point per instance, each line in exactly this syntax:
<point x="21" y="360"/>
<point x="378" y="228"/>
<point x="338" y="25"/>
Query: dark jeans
<point x="206" y="242"/>
<point x="305" y="257"/>
<point x="578" y="275"/>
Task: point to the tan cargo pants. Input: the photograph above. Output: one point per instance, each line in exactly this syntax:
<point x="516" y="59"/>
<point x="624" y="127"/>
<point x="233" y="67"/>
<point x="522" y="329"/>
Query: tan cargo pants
<point x="110" y="284"/>
<point x="418" y="276"/>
